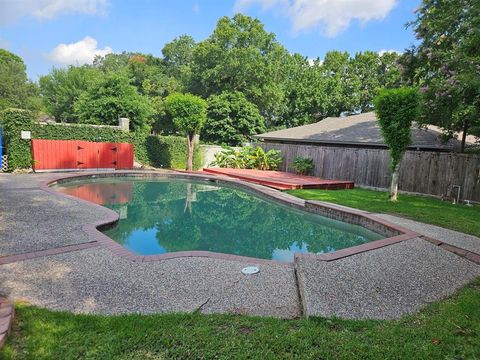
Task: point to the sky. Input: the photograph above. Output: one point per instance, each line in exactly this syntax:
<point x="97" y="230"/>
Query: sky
<point x="55" y="33"/>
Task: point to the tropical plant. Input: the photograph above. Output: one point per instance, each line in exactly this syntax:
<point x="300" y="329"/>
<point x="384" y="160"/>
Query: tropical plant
<point x="396" y="109"/>
<point x="248" y="157"/>
<point x="188" y="113"/>
<point x="303" y="166"/>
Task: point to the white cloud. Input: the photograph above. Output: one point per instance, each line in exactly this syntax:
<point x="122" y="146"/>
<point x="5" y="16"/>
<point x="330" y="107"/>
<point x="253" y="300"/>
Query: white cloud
<point x="383" y="51"/>
<point x="196" y="8"/>
<point x="78" y="53"/>
<point x="12" y="10"/>
<point x="332" y="16"/>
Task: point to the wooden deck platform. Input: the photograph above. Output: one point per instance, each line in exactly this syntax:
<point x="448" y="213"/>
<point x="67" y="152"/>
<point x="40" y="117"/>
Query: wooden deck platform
<point x="281" y="180"/>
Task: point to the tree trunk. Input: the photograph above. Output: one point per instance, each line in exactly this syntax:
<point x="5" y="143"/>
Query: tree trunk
<point x="394" y="185"/>
<point x="188" y="199"/>
<point x="190" y="144"/>
<point x="466" y="125"/>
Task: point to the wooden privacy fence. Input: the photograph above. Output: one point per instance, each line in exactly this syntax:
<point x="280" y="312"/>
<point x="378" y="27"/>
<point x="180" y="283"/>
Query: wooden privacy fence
<point x="432" y="173"/>
<point x="76" y="154"/>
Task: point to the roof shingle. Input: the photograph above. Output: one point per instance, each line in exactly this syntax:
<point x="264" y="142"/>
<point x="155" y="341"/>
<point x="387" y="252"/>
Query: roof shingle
<point x="361" y="129"/>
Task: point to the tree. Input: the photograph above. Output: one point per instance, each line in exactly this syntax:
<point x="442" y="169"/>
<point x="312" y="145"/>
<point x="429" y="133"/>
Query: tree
<point x="446" y="64"/>
<point x="146" y="72"/>
<point x="15" y="89"/>
<point x="62" y="87"/>
<point x="231" y="119"/>
<point x="110" y="97"/>
<point x="339" y="86"/>
<point x="188" y="113"/>
<point x="241" y="56"/>
<point x="396" y="109"/>
<point x="389" y="70"/>
<point x="178" y="59"/>
<point x="306" y="100"/>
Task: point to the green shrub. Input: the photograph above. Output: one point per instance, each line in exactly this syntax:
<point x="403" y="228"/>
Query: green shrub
<point x="396" y="109"/>
<point x="188" y="113"/>
<point x="303" y="166"/>
<point x="248" y="158"/>
<point x="231" y="119"/>
<point x="157" y="151"/>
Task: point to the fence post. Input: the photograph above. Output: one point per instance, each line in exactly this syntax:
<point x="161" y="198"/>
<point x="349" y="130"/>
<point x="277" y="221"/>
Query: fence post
<point x="124" y="124"/>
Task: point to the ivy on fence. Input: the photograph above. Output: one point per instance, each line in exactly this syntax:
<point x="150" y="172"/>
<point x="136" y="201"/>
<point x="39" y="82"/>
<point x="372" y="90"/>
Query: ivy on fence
<point x="153" y="150"/>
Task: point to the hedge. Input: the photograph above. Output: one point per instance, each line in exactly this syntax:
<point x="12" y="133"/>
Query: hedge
<point x="157" y="151"/>
<point x="13" y="121"/>
<point x="165" y="152"/>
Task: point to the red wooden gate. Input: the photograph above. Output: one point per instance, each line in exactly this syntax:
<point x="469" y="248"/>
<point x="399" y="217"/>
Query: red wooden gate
<point x="76" y="154"/>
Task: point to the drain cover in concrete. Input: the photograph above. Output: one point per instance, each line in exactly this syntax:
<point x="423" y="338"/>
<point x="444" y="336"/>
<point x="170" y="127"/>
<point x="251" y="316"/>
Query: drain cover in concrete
<point x="250" y="270"/>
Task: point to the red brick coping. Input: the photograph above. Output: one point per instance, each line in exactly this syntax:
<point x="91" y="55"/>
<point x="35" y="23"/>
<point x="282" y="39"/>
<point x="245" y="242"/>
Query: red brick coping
<point x="393" y="233"/>
<point x="469" y="255"/>
<point x="8" y="259"/>
<point x="7" y="312"/>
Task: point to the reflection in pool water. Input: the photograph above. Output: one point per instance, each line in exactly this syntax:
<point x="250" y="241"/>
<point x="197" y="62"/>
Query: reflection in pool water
<point x="168" y="215"/>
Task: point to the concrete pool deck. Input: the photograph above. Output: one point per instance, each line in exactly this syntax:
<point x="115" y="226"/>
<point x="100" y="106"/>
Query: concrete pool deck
<point x="56" y="264"/>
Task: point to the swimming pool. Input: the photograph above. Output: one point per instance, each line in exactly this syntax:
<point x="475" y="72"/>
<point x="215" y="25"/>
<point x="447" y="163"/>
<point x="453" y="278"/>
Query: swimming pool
<point x="165" y="215"/>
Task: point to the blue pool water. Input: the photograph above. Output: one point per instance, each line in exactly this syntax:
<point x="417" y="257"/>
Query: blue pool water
<point x="169" y="215"/>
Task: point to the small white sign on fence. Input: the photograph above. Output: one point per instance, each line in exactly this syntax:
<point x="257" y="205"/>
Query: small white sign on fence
<point x="27" y="135"/>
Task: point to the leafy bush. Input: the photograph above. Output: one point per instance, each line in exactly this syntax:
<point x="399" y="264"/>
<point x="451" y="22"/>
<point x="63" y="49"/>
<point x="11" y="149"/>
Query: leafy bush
<point x="248" y="157"/>
<point x="396" y="109"/>
<point x="231" y="119"/>
<point x="303" y="166"/>
<point x="188" y="114"/>
<point x="110" y="97"/>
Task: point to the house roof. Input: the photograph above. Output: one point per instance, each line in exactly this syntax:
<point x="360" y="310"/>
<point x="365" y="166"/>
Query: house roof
<point x="361" y="129"/>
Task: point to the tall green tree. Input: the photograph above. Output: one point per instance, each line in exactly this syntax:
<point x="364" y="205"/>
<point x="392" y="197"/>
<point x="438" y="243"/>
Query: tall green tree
<point x="16" y="91"/>
<point x="110" y="97"/>
<point x="388" y="71"/>
<point x="396" y="109"/>
<point x="188" y="113"/>
<point x="231" y="119"/>
<point x="241" y="56"/>
<point x="178" y="59"/>
<point x="306" y="98"/>
<point x="446" y="64"/>
<point x="146" y="72"/>
<point x="340" y="83"/>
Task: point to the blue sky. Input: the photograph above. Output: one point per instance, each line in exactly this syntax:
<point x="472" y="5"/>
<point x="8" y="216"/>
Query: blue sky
<point x="35" y="29"/>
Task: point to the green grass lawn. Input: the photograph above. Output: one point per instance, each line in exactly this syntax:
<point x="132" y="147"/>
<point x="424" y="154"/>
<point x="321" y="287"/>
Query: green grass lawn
<point x="429" y="210"/>
<point x="446" y="330"/>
